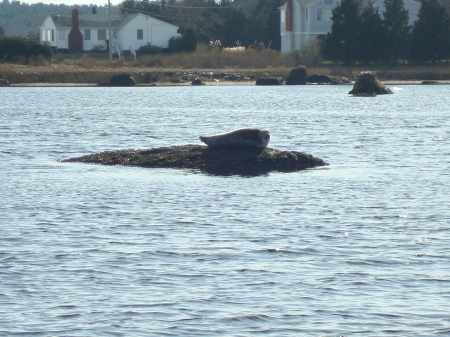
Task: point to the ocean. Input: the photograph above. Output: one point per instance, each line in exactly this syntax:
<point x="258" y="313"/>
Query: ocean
<point x="356" y="248"/>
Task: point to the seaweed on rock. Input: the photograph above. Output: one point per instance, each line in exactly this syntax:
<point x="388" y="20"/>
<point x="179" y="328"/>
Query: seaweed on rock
<point x="247" y="161"/>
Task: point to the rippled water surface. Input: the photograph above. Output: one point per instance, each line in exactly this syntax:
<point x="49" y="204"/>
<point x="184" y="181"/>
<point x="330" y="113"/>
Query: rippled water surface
<point x="360" y="248"/>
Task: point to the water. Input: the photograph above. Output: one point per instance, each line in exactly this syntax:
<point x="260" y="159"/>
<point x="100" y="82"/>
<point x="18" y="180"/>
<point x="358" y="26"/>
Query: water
<point x="360" y="248"/>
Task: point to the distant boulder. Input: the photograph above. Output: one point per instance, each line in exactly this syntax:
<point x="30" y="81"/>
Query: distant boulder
<point x="196" y="81"/>
<point x="122" y="80"/>
<point x="149" y="78"/>
<point x="368" y="85"/>
<point x="297" y="76"/>
<point x="340" y="80"/>
<point x="268" y="81"/>
<point x="4" y="81"/>
<point x="119" y="80"/>
<point x="430" y="82"/>
<point x="319" y="79"/>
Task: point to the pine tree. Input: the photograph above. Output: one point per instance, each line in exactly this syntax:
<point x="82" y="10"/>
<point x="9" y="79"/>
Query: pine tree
<point x="395" y="22"/>
<point x="190" y="40"/>
<point x="430" y="39"/>
<point x="343" y="42"/>
<point x="372" y="35"/>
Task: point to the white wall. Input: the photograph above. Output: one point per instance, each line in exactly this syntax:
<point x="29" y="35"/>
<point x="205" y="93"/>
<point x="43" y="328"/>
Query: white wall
<point x="47" y="32"/>
<point x="155" y="32"/>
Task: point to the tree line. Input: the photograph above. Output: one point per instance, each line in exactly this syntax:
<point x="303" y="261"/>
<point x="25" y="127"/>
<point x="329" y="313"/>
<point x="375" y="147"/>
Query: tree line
<point x="241" y="22"/>
<point x="361" y="34"/>
<point x="358" y="34"/>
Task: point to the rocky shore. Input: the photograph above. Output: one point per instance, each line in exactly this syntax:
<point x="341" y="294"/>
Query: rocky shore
<point x="246" y="161"/>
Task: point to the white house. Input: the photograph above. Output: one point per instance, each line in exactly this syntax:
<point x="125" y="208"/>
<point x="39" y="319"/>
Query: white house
<point x="302" y="20"/>
<point x="86" y="32"/>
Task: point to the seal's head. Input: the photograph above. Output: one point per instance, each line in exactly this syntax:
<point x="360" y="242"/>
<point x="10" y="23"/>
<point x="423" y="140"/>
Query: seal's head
<point x="264" y="135"/>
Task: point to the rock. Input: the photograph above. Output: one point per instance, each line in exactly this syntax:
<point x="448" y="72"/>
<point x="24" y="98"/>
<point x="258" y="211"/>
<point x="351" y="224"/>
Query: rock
<point x="340" y="80"/>
<point x="319" y="79"/>
<point x="4" y="81"/>
<point x="297" y="76"/>
<point x="430" y="82"/>
<point x="246" y="161"/>
<point x="148" y="78"/>
<point x="268" y="81"/>
<point x="196" y="81"/>
<point x="119" y="80"/>
<point x="367" y="84"/>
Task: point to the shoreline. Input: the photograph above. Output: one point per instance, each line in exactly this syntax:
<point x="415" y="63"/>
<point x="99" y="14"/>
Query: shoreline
<point x="206" y="83"/>
<point x="60" y="75"/>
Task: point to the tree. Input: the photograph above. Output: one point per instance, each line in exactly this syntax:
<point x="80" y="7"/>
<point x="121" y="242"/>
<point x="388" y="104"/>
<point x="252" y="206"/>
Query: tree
<point x="430" y="40"/>
<point x="2" y="31"/>
<point x="190" y="40"/>
<point x="343" y="42"/>
<point x="233" y="23"/>
<point x="264" y="24"/>
<point x="397" y="28"/>
<point x="372" y="37"/>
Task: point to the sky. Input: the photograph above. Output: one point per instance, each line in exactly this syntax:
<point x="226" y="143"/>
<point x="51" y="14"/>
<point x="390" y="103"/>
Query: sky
<point x="75" y="2"/>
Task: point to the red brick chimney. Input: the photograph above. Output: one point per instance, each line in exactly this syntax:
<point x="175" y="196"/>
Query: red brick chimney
<point x="75" y="36"/>
<point x="289" y="12"/>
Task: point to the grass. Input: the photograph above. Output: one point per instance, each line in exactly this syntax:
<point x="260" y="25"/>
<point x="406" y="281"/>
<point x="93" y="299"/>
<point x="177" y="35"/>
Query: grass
<point x="236" y="63"/>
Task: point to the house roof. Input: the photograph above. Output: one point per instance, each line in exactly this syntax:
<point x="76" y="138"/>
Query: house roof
<point x="96" y="20"/>
<point x="306" y="3"/>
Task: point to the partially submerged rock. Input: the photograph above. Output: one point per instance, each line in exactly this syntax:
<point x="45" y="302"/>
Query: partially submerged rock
<point x="268" y="81"/>
<point x="297" y="76"/>
<point x="196" y="81"/>
<point x="119" y="80"/>
<point x="4" y="81"/>
<point x="368" y="85"/>
<point x="247" y="161"/>
<point x="319" y="79"/>
<point x="430" y="82"/>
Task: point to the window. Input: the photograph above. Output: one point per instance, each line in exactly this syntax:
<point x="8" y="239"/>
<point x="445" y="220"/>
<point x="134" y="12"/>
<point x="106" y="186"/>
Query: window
<point x="324" y="14"/>
<point x="53" y="35"/>
<point x="319" y="14"/>
<point x="306" y="14"/>
<point x="62" y="34"/>
<point x="283" y="16"/>
<point x="140" y="34"/>
<point x="102" y="35"/>
<point x="87" y="34"/>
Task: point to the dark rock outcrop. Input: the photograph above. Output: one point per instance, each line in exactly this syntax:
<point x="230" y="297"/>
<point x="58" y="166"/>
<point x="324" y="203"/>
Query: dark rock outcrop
<point x="368" y="85"/>
<point x="430" y="82"/>
<point x="247" y="161"/>
<point x="268" y="81"/>
<point x="119" y="80"/>
<point x="196" y="81"/>
<point x="319" y="79"/>
<point x="297" y="76"/>
<point x="4" y="81"/>
<point x="340" y="80"/>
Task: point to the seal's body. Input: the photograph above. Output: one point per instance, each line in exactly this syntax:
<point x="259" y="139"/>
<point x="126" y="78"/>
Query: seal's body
<point x="245" y="137"/>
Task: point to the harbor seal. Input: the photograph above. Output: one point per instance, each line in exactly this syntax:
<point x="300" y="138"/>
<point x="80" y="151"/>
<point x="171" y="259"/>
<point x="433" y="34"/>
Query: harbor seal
<point x="245" y="137"/>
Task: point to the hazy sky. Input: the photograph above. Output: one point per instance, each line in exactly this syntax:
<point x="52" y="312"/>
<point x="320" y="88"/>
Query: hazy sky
<point x="75" y="2"/>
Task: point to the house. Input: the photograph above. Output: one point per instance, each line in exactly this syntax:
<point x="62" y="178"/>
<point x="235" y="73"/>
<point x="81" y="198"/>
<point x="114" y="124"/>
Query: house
<point x="89" y="32"/>
<point x="303" y="20"/>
